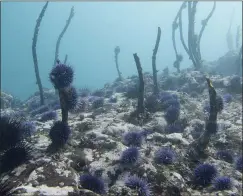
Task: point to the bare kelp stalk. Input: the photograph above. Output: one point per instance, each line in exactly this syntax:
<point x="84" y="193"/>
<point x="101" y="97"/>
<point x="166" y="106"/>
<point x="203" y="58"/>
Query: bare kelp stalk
<point x="117" y="51"/>
<point x="174" y="27"/>
<point x="140" y="107"/>
<point x="65" y="60"/>
<point x="193" y="45"/>
<point x="61" y="35"/>
<point x="204" y="24"/>
<point x="239" y="62"/>
<point x="197" y="148"/>
<point x="237" y="38"/>
<point x="181" y="35"/>
<point x="192" y="39"/>
<point x="156" y="88"/>
<point x="36" y="31"/>
<point x="229" y="37"/>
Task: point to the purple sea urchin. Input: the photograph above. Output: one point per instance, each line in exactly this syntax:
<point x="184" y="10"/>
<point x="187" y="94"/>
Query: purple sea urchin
<point x="14" y="156"/>
<point x="61" y="76"/>
<point x="225" y="155"/>
<point x="172" y="114"/>
<point x="142" y="187"/>
<point x="50" y="115"/>
<point x="146" y="132"/>
<point x="227" y="98"/>
<point x="152" y="103"/>
<point x="133" y="138"/>
<point x="56" y="107"/>
<point x="239" y="164"/>
<point x="222" y="183"/>
<point x="131" y="92"/>
<point x="171" y="103"/>
<point x="204" y="174"/>
<point x="7" y="187"/>
<point x="29" y="128"/>
<point x="164" y="96"/>
<point x="92" y="183"/>
<point x="167" y="100"/>
<point x="59" y="133"/>
<point x="164" y="156"/>
<point x="11" y="132"/>
<point x="129" y="156"/>
<point x="174" y="128"/>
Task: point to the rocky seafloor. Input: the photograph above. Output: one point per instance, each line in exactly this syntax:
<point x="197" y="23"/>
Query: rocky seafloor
<point x="97" y="138"/>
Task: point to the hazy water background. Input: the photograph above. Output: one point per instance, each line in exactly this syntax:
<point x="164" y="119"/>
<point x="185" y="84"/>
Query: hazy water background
<point x="95" y="30"/>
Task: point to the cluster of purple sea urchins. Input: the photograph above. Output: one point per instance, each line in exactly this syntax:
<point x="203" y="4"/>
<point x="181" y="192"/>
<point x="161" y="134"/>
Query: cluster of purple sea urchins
<point x="206" y="174"/>
<point x="61" y="77"/>
<point x="133" y="139"/>
<point x="93" y="100"/>
<point x="166" y="101"/>
<point x="97" y="185"/>
<point x="171" y="105"/>
<point x="14" y="150"/>
<point x="129" y="157"/>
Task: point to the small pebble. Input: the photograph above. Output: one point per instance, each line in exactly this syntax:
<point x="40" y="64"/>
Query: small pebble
<point x="35" y="183"/>
<point x="61" y="184"/>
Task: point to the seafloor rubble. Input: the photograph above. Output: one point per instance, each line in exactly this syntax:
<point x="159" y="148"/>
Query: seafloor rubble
<point x="97" y="138"/>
